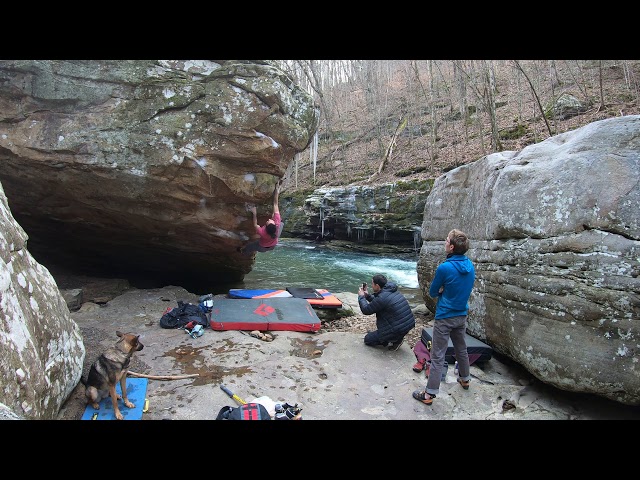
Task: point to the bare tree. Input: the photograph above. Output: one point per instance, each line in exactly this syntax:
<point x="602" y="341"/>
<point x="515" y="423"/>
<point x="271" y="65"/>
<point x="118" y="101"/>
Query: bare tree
<point x="461" y="81"/>
<point x="516" y="93"/>
<point x="489" y="90"/>
<point x="480" y="87"/>
<point x="369" y="102"/>
<point x="630" y="81"/>
<point x="433" y="95"/>
<point x="311" y="70"/>
<point x="387" y="156"/>
<point x="601" y="107"/>
<point x="576" y="82"/>
<point x="449" y="122"/>
<point x="424" y="93"/>
<point x="533" y="91"/>
<point x="553" y="75"/>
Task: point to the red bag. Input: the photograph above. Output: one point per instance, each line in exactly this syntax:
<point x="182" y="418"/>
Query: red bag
<point x="423" y="357"/>
<point x="420" y="351"/>
<point x="248" y="411"/>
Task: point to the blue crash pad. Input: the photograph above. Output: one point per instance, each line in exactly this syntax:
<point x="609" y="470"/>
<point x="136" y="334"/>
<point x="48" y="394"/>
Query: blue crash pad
<point x="136" y="391"/>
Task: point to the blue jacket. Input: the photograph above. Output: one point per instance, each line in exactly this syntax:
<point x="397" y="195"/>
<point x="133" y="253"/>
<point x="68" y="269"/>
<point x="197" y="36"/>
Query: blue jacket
<point x="456" y="274"/>
<point x="394" y="317"/>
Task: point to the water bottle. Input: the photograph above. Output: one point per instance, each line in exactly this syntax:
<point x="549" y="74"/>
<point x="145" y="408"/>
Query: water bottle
<point x="455" y="368"/>
<point x="445" y="369"/>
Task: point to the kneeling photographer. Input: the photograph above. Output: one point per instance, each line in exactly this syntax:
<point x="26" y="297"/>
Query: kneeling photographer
<point x="394" y="318"/>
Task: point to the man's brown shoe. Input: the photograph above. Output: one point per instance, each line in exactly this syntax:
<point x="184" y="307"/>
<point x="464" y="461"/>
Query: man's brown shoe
<point x="423" y="397"/>
<point x="463" y="383"/>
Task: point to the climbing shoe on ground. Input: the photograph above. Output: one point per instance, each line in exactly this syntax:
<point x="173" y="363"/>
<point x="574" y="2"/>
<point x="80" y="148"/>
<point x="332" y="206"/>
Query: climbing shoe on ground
<point x="463" y="383"/>
<point x="419" y="366"/>
<point x="423" y="397"/>
<point x="393" y="346"/>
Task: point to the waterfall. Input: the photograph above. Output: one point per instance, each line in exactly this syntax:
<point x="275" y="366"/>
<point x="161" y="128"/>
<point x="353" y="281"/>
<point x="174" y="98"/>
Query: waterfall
<point x="417" y="240"/>
<point x="313" y="154"/>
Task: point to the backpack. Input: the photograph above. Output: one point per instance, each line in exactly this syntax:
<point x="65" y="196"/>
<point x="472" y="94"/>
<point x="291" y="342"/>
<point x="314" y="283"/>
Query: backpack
<point x="248" y="411"/>
<point x="181" y="315"/>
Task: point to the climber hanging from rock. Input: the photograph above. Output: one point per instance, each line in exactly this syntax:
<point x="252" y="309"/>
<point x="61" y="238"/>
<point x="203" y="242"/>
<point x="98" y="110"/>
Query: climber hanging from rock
<point x="270" y="232"/>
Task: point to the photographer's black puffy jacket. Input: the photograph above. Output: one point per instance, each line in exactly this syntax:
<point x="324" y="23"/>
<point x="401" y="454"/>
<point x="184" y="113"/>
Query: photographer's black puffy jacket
<point x="394" y="317"/>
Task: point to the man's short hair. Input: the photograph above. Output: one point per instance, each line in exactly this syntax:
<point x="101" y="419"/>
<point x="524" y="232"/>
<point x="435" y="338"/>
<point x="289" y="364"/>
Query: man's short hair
<point x="459" y="240"/>
<point x="271" y="229"/>
<point x="379" y="279"/>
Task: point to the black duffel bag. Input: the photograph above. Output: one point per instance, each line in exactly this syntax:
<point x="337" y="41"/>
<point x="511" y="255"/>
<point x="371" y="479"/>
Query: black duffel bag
<point x="181" y="315"/>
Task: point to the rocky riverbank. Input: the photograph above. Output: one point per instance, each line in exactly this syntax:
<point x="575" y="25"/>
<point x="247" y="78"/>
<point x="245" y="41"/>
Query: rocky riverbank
<point x="331" y="373"/>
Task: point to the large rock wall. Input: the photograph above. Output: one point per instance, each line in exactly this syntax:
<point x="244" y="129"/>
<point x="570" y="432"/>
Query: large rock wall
<point x="369" y="216"/>
<point x="147" y="166"/>
<point x="555" y="233"/>
<point x="41" y="348"/>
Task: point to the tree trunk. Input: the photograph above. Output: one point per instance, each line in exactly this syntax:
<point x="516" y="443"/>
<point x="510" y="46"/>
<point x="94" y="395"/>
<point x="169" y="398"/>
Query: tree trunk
<point x="533" y="91"/>
<point x="489" y="100"/>
<point x="392" y="143"/>
<point x="601" y="107"/>
<point x="580" y="87"/>
<point x="463" y="106"/>
<point x="430" y="148"/>
<point x="432" y="94"/>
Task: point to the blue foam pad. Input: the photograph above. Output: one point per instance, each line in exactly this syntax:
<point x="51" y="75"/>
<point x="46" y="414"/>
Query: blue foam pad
<point x="136" y="391"/>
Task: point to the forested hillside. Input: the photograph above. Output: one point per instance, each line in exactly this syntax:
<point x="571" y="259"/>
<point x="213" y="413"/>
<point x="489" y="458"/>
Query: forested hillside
<point x="386" y="120"/>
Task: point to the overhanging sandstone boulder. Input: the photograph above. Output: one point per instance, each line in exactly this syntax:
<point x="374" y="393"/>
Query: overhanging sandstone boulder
<point x="147" y="166"/>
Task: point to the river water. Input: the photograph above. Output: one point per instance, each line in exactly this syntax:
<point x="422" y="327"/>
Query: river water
<point x="302" y="263"/>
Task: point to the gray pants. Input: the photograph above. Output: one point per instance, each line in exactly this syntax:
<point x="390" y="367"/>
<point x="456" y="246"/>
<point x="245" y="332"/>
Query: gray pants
<point x="443" y="328"/>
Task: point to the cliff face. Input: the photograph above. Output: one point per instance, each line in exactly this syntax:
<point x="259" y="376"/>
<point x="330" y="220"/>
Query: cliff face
<point x="380" y="218"/>
<point x="147" y="166"/>
<point x="41" y="347"/>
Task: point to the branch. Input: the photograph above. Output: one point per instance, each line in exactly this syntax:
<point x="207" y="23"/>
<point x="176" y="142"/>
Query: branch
<point x="533" y="90"/>
<point x="394" y="138"/>
<point x="162" y="377"/>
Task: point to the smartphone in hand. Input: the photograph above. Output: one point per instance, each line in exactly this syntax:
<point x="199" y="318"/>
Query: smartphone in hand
<point x="364" y="285"/>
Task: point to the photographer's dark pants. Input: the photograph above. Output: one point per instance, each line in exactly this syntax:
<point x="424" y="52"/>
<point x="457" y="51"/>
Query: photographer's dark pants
<point x="372" y="339"/>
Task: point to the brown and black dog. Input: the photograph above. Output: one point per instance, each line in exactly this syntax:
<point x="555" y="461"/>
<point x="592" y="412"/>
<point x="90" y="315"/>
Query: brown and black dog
<point x="109" y="369"/>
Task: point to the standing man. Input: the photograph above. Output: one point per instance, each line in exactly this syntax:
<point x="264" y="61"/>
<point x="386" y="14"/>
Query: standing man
<point x="270" y="232"/>
<point x="452" y="286"/>
<point x="394" y="318"/>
